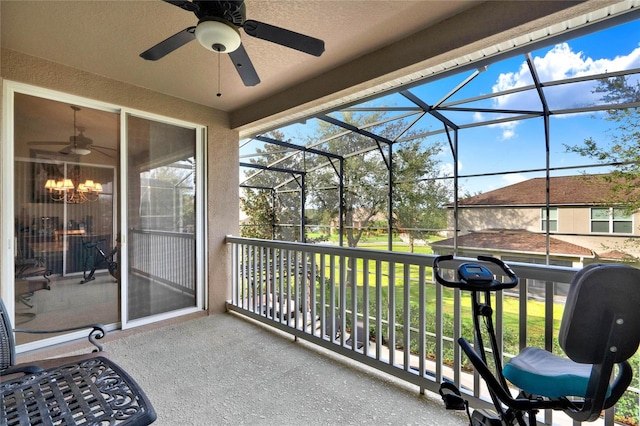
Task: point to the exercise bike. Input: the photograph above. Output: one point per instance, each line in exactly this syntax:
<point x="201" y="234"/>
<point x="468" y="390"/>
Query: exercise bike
<point x="600" y="330"/>
<point x="95" y="256"/>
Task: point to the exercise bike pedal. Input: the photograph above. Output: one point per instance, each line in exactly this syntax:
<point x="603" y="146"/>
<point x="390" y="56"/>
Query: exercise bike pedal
<point x="485" y="418"/>
<point x="452" y="397"/>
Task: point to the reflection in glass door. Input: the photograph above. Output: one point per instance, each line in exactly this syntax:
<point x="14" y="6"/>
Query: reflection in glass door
<point x="161" y="218"/>
<point x="65" y="169"/>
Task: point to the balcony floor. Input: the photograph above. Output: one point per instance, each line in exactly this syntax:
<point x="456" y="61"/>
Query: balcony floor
<point x="223" y="369"/>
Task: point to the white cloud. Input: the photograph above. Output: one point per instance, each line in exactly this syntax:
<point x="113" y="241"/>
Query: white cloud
<point x="559" y="63"/>
<point x="508" y="133"/>
<point x="446" y="169"/>
<point x="514" y="178"/>
<point x="508" y="129"/>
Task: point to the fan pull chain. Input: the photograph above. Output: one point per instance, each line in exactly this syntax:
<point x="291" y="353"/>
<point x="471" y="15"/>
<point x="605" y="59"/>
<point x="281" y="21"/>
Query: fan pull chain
<point x="219" y="93"/>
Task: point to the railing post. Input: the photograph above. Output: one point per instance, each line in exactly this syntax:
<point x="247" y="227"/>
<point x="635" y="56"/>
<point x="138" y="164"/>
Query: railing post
<point x="422" y="302"/>
<point x="391" y="308"/>
<point x="379" y="333"/>
<point x="406" y="326"/>
<point x="343" y="298"/>
<point x="365" y="305"/>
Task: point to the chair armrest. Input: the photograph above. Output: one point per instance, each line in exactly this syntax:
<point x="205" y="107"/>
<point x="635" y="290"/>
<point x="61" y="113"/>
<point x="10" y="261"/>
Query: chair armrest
<point x="26" y="369"/>
<point x="97" y="332"/>
<point x="620" y="383"/>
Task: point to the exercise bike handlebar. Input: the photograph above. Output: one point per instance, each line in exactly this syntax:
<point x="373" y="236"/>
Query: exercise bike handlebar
<point x="476" y="282"/>
<point x="92" y="244"/>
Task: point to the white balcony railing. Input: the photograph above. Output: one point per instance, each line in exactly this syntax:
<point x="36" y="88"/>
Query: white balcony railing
<point x="405" y="324"/>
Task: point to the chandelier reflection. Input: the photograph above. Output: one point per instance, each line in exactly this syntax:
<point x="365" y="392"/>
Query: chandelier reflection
<point x="65" y="191"/>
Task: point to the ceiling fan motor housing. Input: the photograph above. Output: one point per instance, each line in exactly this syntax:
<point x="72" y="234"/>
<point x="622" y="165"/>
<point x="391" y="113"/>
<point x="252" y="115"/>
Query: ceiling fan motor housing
<point x="218" y="35"/>
<point x="234" y="12"/>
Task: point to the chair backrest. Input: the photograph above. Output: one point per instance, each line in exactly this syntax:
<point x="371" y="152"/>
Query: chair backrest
<point x="7" y="344"/>
<point x="601" y="297"/>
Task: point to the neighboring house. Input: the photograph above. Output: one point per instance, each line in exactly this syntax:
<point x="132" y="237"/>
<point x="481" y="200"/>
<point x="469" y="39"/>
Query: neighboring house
<point x="361" y="219"/>
<point x="586" y="224"/>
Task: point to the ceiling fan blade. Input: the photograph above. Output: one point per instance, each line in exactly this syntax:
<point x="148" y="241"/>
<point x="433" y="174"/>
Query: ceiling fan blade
<point x="102" y="150"/>
<point x="301" y="42"/>
<point x="104" y="147"/>
<point x="66" y="150"/>
<point x="184" y="4"/>
<point x="48" y="143"/>
<point x="243" y="65"/>
<point x="169" y="45"/>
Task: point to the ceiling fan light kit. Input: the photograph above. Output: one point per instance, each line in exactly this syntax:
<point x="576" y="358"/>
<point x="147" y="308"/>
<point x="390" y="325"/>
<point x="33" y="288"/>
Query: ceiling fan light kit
<point x="80" y="151"/>
<point x="218" y="36"/>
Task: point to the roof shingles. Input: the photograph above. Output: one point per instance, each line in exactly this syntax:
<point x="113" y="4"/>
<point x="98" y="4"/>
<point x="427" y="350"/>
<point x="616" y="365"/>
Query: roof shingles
<point x="563" y="190"/>
<point x="516" y="241"/>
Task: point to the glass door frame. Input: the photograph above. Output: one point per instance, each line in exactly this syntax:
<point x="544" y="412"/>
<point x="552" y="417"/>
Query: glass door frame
<point x="7" y="213"/>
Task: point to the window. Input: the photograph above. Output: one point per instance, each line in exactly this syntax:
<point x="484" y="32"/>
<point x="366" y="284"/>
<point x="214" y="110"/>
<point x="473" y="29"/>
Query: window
<point x="611" y="220"/>
<point x="553" y="219"/>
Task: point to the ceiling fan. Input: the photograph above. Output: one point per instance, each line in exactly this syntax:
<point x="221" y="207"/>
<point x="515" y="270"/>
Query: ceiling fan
<point x="78" y="143"/>
<point x="218" y="30"/>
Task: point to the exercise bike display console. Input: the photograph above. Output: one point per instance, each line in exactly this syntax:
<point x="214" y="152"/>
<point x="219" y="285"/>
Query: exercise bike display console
<point x="474" y="273"/>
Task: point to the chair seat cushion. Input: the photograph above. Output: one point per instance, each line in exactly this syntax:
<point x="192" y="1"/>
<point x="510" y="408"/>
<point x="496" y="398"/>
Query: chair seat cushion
<point x="542" y="373"/>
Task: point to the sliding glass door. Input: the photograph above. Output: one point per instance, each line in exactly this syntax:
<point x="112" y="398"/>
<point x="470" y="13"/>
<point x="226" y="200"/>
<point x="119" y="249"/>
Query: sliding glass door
<point x="105" y="215"/>
<point x="161" y="217"/>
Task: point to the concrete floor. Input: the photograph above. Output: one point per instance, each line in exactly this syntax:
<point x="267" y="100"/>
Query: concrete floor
<point x="225" y="370"/>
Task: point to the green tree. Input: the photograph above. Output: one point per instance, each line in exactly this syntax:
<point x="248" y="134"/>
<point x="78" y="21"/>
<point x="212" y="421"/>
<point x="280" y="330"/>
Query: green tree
<point x="365" y="182"/>
<point x="419" y="198"/>
<point x="364" y="178"/>
<point x="624" y="140"/>
<point x="262" y="219"/>
<point x="266" y="215"/>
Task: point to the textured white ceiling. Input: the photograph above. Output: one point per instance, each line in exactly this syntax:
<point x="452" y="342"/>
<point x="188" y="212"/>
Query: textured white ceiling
<point x="106" y="37"/>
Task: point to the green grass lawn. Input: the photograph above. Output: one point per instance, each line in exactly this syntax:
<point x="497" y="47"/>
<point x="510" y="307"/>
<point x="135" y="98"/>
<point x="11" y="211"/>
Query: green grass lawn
<point x="511" y="305"/>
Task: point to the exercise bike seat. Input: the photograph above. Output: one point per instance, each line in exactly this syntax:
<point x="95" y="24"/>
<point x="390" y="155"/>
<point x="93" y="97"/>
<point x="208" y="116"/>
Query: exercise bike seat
<point x="542" y="373"/>
<point x="600" y="329"/>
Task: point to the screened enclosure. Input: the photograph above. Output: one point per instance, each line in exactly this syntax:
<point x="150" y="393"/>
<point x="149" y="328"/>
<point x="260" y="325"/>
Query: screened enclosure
<point x="444" y="162"/>
<point x="531" y="157"/>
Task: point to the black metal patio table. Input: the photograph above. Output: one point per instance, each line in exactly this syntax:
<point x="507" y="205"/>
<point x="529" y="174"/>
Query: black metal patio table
<point x="89" y="392"/>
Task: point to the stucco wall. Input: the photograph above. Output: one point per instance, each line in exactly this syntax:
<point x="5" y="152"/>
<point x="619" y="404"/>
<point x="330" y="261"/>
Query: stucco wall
<point x="478" y="219"/>
<point x="222" y="146"/>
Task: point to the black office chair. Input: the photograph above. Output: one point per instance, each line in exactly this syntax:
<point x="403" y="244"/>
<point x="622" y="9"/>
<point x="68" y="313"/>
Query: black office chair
<point x="31" y="275"/>
<point x="600" y="329"/>
<point x="27" y="264"/>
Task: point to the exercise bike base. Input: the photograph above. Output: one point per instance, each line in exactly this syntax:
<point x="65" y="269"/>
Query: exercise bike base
<point x="485" y="418"/>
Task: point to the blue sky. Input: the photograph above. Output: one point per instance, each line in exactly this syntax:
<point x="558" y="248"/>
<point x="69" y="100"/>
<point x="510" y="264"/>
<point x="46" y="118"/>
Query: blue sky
<point x="520" y="145"/>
